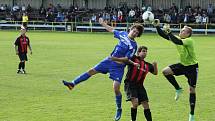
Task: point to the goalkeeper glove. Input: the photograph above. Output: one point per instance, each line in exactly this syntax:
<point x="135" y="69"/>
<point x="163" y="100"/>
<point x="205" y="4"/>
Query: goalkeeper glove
<point x="156" y="22"/>
<point x="166" y="28"/>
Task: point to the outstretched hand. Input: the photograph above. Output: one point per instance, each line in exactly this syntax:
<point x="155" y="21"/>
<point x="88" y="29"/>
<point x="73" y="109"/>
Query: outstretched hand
<point x="104" y="24"/>
<point x="154" y="63"/>
<point x="101" y="21"/>
<point x="166" y="28"/>
<point x="137" y="65"/>
<point x="156" y="22"/>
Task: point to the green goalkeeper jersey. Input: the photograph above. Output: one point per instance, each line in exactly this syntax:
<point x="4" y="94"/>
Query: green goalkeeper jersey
<point x="187" y="52"/>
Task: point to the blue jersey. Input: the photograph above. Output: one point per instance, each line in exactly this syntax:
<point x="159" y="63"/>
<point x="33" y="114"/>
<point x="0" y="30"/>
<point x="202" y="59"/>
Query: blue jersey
<point x="126" y="47"/>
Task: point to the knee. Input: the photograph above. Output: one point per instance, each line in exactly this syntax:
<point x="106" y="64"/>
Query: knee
<point x="134" y="103"/>
<point x="167" y="71"/>
<point x="192" y="90"/>
<point x="92" y="72"/>
<point x="145" y="104"/>
<point x="116" y="88"/>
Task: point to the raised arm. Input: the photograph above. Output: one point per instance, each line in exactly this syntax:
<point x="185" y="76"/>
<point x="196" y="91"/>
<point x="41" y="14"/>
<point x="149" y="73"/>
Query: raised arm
<point x="162" y="33"/>
<point x="156" y="23"/>
<point x="167" y="34"/>
<point x="175" y="40"/>
<point x="104" y="24"/>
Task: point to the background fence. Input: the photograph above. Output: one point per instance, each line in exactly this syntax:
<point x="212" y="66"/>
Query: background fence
<point x="96" y="27"/>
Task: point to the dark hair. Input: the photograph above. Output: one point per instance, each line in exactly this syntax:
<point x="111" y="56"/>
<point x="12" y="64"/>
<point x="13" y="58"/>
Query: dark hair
<point x="141" y="48"/>
<point x="139" y="27"/>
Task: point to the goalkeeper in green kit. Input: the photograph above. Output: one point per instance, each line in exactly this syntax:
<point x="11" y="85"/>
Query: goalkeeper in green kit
<point x="188" y="65"/>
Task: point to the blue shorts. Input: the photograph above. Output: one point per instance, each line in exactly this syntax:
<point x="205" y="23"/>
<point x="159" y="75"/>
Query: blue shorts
<point x="115" y="70"/>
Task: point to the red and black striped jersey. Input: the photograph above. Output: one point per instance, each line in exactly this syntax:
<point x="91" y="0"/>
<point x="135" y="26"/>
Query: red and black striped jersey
<point x="22" y="42"/>
<point x="137" y="74"/>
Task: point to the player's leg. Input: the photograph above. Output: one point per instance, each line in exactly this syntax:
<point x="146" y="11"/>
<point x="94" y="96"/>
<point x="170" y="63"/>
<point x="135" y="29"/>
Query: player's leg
<point x="116" y="73"/>
<point x="192" y="80"/>
<point x="23" y="63"/>
<point x="23" y="67"/>
<point x="84" y="76"/>
<point x="169" y="72"/>
<point x="118" y="99"/>
<point x="19" y="67"/>
<point x="134" y="102"/>
<point x="102" y="67"/>
<point x="131" y="94"/>
<point x="143" y="98"/>
<point x="147" y="111"/>
<point x="192" y="101"/>
<point x="80" y="78"/>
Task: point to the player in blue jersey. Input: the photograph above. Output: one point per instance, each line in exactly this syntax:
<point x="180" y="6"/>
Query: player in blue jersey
<point x="126" y="47"/>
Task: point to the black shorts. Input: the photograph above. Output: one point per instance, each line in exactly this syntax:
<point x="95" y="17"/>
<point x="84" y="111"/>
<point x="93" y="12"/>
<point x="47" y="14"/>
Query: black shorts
<point x="190" y="72"/>
<point x="23" y="57"/>
<point x="133" y="90"/>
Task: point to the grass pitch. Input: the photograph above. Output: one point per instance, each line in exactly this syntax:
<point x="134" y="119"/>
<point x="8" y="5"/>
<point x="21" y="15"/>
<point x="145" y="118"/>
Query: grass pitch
<point x="40" y="95"/>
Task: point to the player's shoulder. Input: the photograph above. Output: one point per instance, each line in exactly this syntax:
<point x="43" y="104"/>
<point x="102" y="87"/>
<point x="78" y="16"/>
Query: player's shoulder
<point x="18" y="37"/>
<point x="188" y="41"/>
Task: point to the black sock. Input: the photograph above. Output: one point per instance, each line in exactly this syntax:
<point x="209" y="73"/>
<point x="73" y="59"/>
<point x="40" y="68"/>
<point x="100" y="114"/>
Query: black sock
<point x="23" y="65"/>
<point x="133" y="114"/>
<point x="20" y="65"/>
<point x="172" y="80"/>
<point x="192" y="103"/>
<point x="148" y="114"/>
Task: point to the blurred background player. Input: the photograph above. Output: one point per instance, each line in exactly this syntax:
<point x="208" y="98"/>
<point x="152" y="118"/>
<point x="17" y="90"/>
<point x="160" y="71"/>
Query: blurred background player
<point x="25" y="20"/>
<point x="126" y="47"/>
<point x="134" y="89"/>
<point x="188" y="65"/>
<point x="21" y="44"/>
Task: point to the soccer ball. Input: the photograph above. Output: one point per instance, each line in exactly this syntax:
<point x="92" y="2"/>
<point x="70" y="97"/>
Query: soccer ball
<point x="148" y="16"/>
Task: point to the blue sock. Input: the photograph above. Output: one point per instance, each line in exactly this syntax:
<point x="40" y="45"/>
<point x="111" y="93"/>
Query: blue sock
<point x="81" y="78"/>
<point x="119" y="101"/>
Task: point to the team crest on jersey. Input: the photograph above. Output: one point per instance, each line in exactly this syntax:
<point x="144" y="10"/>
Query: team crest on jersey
<point x="126" y="41"/>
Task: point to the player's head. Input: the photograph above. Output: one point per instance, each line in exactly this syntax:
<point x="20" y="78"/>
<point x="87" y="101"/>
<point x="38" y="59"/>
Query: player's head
<point x="142" y="51"/>
<point x="23" y="30"/>
<point x="185" y="32"/>
<point x="136" y="30"/>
